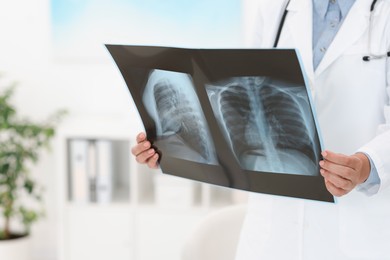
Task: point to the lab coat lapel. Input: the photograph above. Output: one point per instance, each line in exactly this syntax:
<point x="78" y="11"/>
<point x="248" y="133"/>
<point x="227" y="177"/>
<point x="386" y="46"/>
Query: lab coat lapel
<point x="352" y="29"/>
<point x="299" y="23"/>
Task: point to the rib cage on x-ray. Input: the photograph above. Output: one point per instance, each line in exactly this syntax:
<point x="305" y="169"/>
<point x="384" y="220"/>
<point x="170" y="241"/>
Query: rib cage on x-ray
<point x="179" y="114"/>
<point x="265" y="120"/>
<point x="235" y="109"/>
<point x="283" y="113"/>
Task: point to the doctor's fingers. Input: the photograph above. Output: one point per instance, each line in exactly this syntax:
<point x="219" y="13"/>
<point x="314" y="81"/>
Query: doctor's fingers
<point x="145" y="156"/>
<point x="149" y="157"/>
<point x="141" y="137"/>
<point x="141" y="147"/>
<point x="153" y="161"/>
<point x="342" y="159"/>
<point x="338" y="181"/>
<point x="341" y="170"/>
<point x="334" y="190"/>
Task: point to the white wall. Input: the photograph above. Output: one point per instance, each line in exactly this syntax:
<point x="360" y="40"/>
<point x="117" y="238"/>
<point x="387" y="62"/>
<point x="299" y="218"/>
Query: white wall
<point x="87" y="89"/>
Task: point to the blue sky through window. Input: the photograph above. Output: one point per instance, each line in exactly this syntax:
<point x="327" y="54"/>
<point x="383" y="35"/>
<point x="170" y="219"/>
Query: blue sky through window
<point x="81" y="27"/>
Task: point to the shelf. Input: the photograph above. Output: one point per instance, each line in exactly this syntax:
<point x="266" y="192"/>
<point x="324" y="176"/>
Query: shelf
<point x="143" y="206"/>
<point x="98" y="170"/>
<point x="97" y="232"/>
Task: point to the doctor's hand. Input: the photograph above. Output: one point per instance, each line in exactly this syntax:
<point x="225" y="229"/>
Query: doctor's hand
<point x="144" y="152"/>
<point x="342" y="173"/>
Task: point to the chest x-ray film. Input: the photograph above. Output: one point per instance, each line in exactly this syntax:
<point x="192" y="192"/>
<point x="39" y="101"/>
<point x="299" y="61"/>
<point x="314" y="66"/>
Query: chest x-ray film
<point x="239" y="118"/>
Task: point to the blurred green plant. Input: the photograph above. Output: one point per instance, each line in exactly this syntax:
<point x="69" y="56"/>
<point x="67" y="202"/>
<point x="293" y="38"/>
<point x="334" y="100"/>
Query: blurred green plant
<point x="21" y="142"/>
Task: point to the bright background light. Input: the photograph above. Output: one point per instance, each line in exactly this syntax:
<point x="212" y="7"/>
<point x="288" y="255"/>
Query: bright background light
<point x="80" y="28"/>
<point x="55" y="51"/>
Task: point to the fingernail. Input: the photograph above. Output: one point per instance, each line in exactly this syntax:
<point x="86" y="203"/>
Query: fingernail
<point x="141" y="136"/>
<point x="322" y="163"/>
<point x="151" y="151"/>
<point x="146" y="144"/>
<point x="322" y="172"/>
<point x="324" y="153"/>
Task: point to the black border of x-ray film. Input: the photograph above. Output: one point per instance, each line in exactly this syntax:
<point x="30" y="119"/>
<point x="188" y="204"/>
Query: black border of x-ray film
<point x="207" y="65"/>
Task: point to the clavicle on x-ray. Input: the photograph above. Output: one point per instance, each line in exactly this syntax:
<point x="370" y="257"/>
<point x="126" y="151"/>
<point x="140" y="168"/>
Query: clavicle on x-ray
<point x="180" y="123"/>
<point x="268" y="124"/>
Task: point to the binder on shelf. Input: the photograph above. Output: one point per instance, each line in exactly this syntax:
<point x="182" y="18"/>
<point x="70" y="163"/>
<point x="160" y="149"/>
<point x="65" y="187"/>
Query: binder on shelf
<point x="92" y="170"/>
<point x="79" y="183"/>
<point x="92" y="163"/>
<point x="104" y="171"/>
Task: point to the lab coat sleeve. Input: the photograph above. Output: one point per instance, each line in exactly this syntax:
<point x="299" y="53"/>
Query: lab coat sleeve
<point x="379" y="148"/>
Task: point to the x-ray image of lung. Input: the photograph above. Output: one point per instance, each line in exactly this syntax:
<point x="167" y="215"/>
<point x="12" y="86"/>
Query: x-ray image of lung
<point x="268" y="124"/>
<point x="181" y="127"/>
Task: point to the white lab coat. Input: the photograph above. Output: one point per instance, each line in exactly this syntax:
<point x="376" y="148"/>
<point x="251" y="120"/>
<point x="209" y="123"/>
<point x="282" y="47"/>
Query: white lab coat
<point x="352" y="102"/>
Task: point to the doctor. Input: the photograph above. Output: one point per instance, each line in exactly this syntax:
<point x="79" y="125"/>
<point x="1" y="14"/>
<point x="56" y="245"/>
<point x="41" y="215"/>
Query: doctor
<point x="351" y="95"/>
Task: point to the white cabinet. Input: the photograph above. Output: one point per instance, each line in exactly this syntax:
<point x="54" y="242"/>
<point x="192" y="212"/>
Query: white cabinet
<point x="146" y="214"/>
<point x="161" y="233"/>
<point x="99" y="232"/>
